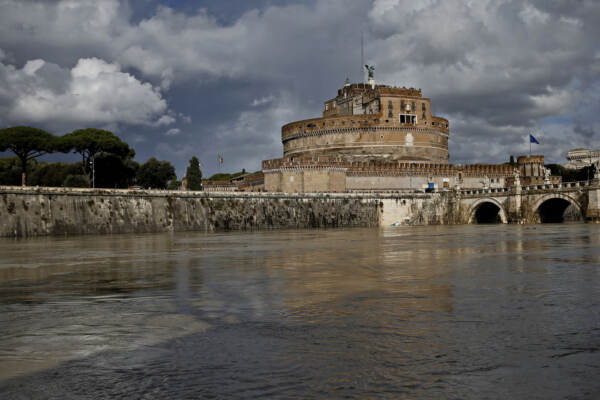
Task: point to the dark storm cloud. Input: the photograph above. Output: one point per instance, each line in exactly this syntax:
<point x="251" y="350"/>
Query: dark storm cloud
<point x="221" y="77"/>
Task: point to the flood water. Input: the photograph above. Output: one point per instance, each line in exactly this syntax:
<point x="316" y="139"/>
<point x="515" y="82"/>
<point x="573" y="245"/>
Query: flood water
<point x="437" y="312"/>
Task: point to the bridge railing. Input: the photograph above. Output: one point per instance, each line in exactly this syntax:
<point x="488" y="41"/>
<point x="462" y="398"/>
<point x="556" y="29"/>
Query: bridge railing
<point x="563" y="185"/>
<point x="487" y="191"/>
<point x="549" y="186"/>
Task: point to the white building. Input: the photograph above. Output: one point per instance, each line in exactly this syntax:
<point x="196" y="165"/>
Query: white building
<point x="579" y="158"/>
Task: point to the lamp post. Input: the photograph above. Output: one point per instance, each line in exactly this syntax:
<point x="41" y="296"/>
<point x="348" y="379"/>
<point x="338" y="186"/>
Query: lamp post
<point x="93" y="163"/>
<point x="590" y="165"/>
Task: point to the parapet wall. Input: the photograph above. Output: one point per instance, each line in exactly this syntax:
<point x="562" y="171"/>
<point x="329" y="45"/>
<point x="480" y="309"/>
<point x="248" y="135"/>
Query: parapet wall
<point x="28" y="211"/>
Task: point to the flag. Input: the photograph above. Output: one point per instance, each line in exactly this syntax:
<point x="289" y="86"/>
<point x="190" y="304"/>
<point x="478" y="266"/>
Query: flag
<point x="219" y="159"/>
<point x="533" y="140"/>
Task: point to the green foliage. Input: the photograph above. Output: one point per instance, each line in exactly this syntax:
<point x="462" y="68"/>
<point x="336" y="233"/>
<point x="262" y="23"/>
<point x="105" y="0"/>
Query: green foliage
<point x="113" y="171"/>
<point x="10" y="171"/>
<point x="194" y="175"/>
<point x="571" y="175"/>
<point x="174" y="185"/>
<point x="90" y="142"/>
<point x="27" y="143"/>
<point x="155" y="174"/>
<point x="226" y="177"/>
<point x="53" y="174"/>
<point x="511" y="162"/>
<point x="77" y="181"/>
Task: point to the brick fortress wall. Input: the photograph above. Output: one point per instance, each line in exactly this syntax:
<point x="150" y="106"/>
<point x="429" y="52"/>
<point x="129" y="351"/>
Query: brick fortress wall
<point x="290" y="175"/>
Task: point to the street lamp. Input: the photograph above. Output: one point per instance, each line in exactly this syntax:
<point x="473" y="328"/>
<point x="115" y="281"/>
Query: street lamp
<point x="590" y="165"/>
<point x="93" y="164"/>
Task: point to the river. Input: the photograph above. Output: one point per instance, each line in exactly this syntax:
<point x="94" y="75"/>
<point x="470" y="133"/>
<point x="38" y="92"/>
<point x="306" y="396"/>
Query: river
<point x="448" y="312"/>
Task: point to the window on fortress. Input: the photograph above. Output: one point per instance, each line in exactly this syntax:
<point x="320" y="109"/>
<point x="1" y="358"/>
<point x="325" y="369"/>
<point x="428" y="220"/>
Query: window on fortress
<point x="408" y="119"/>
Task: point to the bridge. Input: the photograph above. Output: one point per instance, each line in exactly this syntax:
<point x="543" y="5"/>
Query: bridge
<point x="568" y="201"/>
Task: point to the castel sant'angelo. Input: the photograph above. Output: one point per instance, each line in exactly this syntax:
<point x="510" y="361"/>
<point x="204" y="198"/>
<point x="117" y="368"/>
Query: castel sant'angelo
<point x="378" y="138"/>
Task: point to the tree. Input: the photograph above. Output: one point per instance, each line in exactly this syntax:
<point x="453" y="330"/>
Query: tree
<point x="52" y="174"/>
<point x="174" y="184"/>
<point x="194" y="175"/>
<point x="155" y="174"/>
<point x="571" y="175"/>
<point x="113" y="171"/>
<point x="27" y="143"/>
<point x="512" y="160"/>
<point x="10" y="170"/>
<point x="90" y="142"/>
<point x="77" y="181"/>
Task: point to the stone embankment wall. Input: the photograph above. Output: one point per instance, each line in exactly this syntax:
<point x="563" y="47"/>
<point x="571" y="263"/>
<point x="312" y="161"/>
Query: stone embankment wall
<point x="442" y="208"/>
<point x="57" y="211"/>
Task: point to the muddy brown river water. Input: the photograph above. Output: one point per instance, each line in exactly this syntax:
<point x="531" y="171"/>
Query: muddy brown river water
<point x="435" y="312"/>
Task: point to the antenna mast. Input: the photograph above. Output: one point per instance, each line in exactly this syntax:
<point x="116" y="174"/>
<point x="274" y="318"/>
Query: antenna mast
<point x="362" y="58"/>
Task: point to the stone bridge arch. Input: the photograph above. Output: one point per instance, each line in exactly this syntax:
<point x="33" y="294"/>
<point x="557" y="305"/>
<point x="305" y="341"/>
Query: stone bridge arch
<point x="482" y="202"/>
<point x="536" y="212"/>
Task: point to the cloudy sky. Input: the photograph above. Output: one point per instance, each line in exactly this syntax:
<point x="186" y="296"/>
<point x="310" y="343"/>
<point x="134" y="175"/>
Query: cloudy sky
<point x="178" y="78"/>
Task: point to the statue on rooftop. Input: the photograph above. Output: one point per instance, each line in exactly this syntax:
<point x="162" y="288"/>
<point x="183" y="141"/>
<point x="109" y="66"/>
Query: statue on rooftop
<point x="370" y="71"/>
<point x="596" y="169"/>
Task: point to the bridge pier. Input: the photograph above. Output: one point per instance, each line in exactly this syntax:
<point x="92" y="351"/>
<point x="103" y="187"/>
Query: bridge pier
<point x="515" y="214"/>
<point x="592" y="213"/>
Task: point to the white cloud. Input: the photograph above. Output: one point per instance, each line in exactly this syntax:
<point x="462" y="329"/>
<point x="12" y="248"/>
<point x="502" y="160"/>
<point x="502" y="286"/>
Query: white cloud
<point x="262" y="101"/>
<point x="93" y="92"/>
<point x="501" y="65"/>
<point x="173" y="132"/>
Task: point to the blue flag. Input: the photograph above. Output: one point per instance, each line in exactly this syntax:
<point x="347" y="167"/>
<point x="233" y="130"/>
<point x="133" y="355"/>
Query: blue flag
<point x="532" y="139"/>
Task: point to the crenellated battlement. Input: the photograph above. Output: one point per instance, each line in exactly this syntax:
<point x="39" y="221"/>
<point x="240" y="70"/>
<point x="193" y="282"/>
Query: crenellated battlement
<point x="357" y="167"/>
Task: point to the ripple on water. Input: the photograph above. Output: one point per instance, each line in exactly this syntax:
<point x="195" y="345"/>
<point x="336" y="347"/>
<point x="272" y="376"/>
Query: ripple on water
<point x="419" y="312"/>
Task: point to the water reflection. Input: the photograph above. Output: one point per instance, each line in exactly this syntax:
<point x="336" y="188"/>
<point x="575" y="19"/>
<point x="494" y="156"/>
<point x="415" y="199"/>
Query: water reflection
<point x="464" y="311"/>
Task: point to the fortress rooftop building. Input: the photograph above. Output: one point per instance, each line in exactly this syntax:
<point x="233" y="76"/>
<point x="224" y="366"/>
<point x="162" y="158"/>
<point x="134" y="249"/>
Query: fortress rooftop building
<point x="368" y="122"/>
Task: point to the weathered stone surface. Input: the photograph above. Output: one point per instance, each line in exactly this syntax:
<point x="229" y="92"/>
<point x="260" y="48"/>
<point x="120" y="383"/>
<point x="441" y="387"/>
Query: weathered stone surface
<point x="50" y="211"/>
<point x="58" y="211"/>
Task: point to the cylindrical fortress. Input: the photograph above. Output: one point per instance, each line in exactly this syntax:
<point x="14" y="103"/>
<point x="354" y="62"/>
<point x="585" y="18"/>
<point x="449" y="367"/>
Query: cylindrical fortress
<point x="367" y="122"/>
